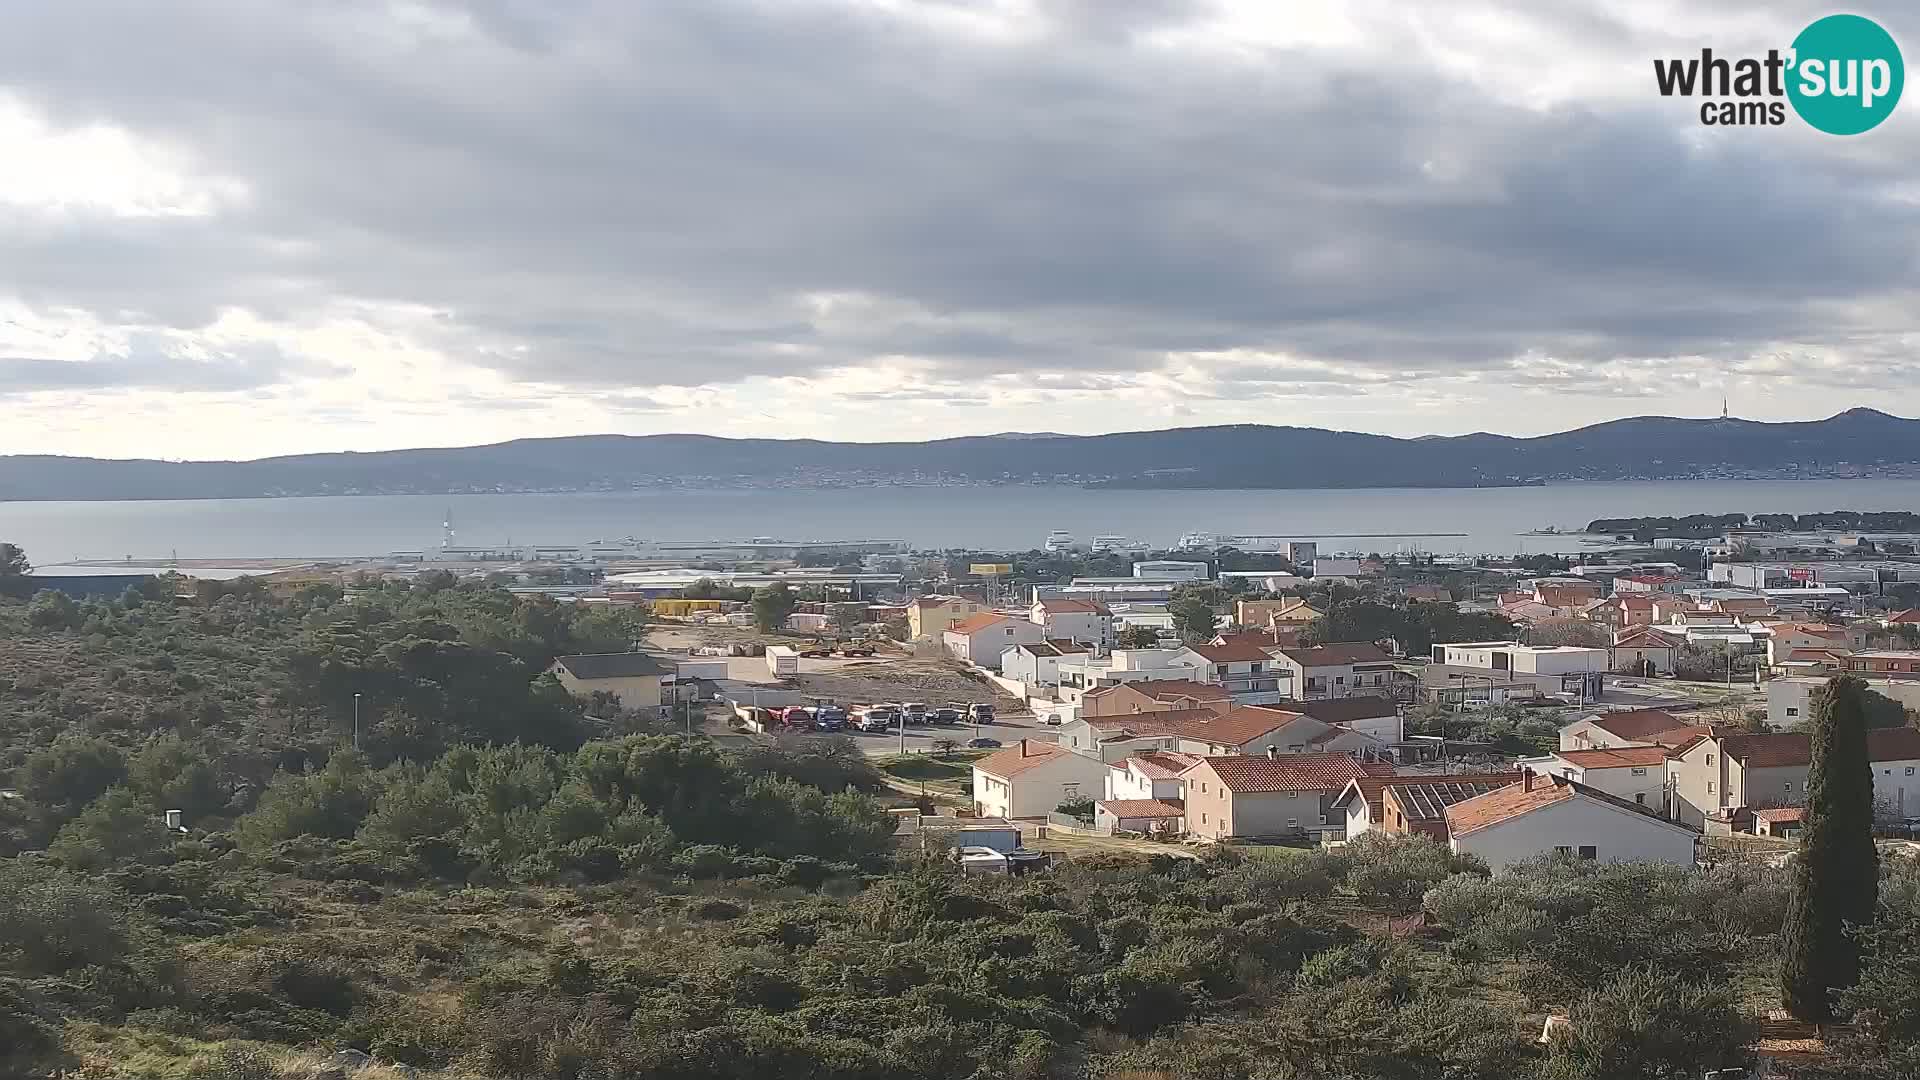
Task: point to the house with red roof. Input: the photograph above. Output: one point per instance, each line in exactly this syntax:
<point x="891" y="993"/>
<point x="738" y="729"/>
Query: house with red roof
<point x="1552" y="815"/>
<point x="1270" y="796"/>
<point x="980" y="639"/>
<point x="1637" y="774"/>
<point x="1399" y="805"/>
<point x="1244" y="666"/>
<point x="1341" y="669"/>
<point x="1645" y="651"/>
<point x="1086" y="621"/>
<point x="1029" y="779"/>
<point x="1718" y="772"/>
<point x="1631" y="727"/>
<point x="1159" y="695"/>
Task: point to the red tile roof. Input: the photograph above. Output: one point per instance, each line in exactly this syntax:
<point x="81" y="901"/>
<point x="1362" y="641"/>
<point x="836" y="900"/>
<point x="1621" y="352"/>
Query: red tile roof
<point x="1782" y="813"/>
<point x="1637" y="724"/>
<point x="1062" y="606"/>
<point x="1173" y="689"/>
<point x="1144" y="808"/>
<point x="1645" y="637"/>
<point x="1160" y="764"/>
<point x="1368" y="788"/>
<point x="1162" y="722"/>
<point x="1254" y="774"/>
<point x="1910" y="615"/>
<point x="1787" y="749"/>
<point x="1020" y="757"/>
<point x="1344" y="710"/>
<point x="1234" y="650"/>
<point x="1337" y="654"/>
<point x="1637" y="756"/>
<point x="1893" y="744"/>
<point x="976" y="623"/>
<point x="1507" y="803"/>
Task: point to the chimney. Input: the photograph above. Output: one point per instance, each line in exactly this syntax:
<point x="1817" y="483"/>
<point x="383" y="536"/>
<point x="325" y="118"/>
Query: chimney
<point x="1273" y="752"/>
<point x="1023" y="747"/>
<point x="1526" y="777"/>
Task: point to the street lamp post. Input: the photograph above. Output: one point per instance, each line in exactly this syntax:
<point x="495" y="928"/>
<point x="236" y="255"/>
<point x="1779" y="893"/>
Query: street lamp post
<point x="356" y="721"/>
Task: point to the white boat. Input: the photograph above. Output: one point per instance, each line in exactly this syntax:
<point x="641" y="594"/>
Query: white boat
<point x="1059" y="540"/>
<point x="1195" y="541"/>
<point x="1108" y="543"/>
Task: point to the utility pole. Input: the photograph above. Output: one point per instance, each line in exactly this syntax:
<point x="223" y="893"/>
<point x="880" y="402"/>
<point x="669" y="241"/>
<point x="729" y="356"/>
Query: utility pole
<point x="901" y="717"/>
<point x="356" y="721"/>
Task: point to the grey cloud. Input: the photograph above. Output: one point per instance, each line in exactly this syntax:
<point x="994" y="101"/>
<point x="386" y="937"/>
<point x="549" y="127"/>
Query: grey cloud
<point x="151" y="365"/>
<point x="619" y="195"/>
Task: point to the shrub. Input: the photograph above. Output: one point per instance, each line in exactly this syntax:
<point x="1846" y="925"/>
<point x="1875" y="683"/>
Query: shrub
<point x="1643" y="1022"/>
<point x="1396" y="872"/>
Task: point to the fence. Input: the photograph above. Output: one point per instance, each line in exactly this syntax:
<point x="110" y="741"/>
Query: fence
<point x="1075" y="824"/>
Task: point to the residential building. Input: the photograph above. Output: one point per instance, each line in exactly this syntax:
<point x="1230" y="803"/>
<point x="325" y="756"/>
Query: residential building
<point x="1340" y="670"/>
<point x="1265" y="614"/>
<point x="1172" y="570"/>
<point x="1029" y="779"/>
<point x="1245" y="730"/>
<point x="1428" y="594"/>
<point x="1784" y="637"/>
<point x="1714" y="773"/>
<point x="1140" y="815"/>
<point x="1158" y="695"/>
<point x="1363" y="801"/>
<point x="1080" y="675"/>
<point x="1790" y="698"/>
<point x="1152" y="775"/>
<point x="1632" y="727"/>
<point x="1883" y="662"/>
<point x="1302" y="552"/>
<point x="1566" y="595"/>
<point x="1366" y="713"/>
<point x="632" y="677"/>
<point x="930" y="617"/>
<point x="1244" y="668"/>
<point x="1621" y="612"/>
<point x="1085" y="621"/>
<point x="1511" y="656"/>
<point x="1779" y="821"/>
<point x="1637" y="774"/>
<point x="1644" y="651"/>
<point x="1261" y="796"/>
<point x="982" y="639"/>
<point x="1037" y="663"/>
<point x="1543" y="815"/>
<point x="1645" y="583"/>
<point x="1418" y="806"/>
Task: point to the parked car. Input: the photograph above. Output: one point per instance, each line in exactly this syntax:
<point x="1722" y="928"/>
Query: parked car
<point x="830" y="717"/>
<point x="984" y="744"/>
<point x="856" y="650"/>
<point x="797" y="718"/>
<point x="980" y="713"/>
<point x="946" y="715"/>
<point x="816" y="652"/>
<point x="1052" y="719"/>
<point x="916" y="712"/>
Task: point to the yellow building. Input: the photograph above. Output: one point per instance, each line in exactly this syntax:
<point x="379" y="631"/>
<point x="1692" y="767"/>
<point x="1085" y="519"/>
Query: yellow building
<point x="632" y="677"/>
<point x="930" y="617"/>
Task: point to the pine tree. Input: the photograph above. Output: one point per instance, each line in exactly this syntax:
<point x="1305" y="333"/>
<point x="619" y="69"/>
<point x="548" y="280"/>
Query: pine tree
<point x="1836" y="878"/>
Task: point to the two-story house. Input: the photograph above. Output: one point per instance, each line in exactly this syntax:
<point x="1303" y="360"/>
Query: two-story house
<point x="1037" y="663"/>
<point x="1158" y="695"/>
<point x="1086" y="621"/>
<point x="1637" y="774"/>
<point x="634" y="679"/>
<point x="1718" y="773"/>
<point x="929" y="617"/>
<point x="1630" y="727"/>
<point x="1339" y="670"/>
<point x="1244" y="730"/>
<point x="1241" y="666"/>
<point x="1029" y="779"/>
<point x="981" y="639"/>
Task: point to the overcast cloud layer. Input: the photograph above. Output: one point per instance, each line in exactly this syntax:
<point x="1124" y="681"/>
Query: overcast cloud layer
<point x="236" y="229"/>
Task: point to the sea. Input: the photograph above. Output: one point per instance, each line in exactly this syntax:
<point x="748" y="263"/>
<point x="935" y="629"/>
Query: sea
<point x="1475" y="521"/>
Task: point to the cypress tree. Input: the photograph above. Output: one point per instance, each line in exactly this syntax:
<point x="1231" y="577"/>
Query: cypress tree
<point x="1836" y="879"/>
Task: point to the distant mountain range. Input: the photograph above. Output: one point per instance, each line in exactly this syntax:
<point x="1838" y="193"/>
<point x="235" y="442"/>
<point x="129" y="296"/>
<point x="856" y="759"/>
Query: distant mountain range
<point x="1856" y="442"/>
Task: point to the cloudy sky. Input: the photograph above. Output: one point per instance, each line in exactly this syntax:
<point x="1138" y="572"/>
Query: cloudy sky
<point x="231" y="229"/>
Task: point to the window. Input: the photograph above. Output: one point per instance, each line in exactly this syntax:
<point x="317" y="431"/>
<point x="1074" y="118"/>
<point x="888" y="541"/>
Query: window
<point x="1640" y="797"/>
<point x="1709" y="787"/>
<point x="1909" y="770"/>
<point x="1709" y="763"/>
<point x="1787" y="786"/>
<point x="1323" y="819"/>
<point x="1203" y="817"/>
<point x="1293" y="823"/>
<point x="1070" y="791"/>
<point x="1791" y="711"/>
<point x="1339" y="680"/>
<point x="1589" y="852"/>
<point x="1640" y="771"/>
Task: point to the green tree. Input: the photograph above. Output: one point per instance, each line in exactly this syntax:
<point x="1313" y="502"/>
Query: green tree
<point x="331" y="802"/>
<point x="118" y="826"/>
<point x="772" y="605"/>
<point x="1192" y="618"/>
<point x="1836" y="878"/>
<point x="53" y="610"/>
<point x="14" y="569"/>
<point x="71" y="773"/>
<point x="170" y="774"/>
<point x="1646" y="1023"/>
<point x="1138" y="637"/>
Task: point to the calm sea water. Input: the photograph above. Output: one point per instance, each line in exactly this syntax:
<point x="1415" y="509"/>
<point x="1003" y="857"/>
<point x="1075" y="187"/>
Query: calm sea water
<point x="1016" y="518"/>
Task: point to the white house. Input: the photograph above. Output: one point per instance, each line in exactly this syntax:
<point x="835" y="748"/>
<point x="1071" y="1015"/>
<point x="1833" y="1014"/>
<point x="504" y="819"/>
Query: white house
<point x="1544" y="815"/>
<point x="981" y="639"/>
<point x="1037" y="663"/>
<point x="1631" y="727"/>
<point x="1511" y="656"/>
<point x="1637" y="774"/>
<point x="1029" y="779"/>
<point x="1152" y="775"/>
<point x="1369" y="715"/>
<point x="1081" y="674"/>
<point x="1085" y="621"/>
<point x="1243" y="668"/>
<point x="1328" y="567"/>
<point x="1645" y="651"/>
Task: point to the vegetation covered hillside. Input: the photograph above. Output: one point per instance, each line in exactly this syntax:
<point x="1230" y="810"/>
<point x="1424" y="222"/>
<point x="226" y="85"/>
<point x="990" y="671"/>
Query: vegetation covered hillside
<point x="504" y="883"/>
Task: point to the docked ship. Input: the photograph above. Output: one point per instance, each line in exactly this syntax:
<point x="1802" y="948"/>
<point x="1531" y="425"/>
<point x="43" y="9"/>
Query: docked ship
<point x="1108" y="543"/>
<point x="1059" y="540"/>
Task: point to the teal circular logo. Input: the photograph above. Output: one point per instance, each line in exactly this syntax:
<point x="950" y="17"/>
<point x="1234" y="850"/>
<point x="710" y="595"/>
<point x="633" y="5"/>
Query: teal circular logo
<point x="1846" y="74"/>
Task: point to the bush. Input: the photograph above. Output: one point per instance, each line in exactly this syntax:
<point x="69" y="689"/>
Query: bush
<point x="1396" y="872"/>
<point x="1643" y="1022"/>
<point x="117" y="827"/>
<point x="52" y="921"/>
